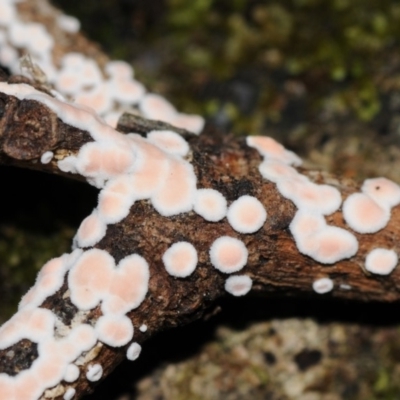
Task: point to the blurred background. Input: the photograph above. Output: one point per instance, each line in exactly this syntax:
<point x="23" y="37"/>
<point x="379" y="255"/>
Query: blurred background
<point x="321" y="76"/>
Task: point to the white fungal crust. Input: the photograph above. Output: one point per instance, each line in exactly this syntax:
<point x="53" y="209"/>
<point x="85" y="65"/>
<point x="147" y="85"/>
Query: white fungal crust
<point x="91" y="231"/>
<point x="228" y="254"/>
<point x="180" y="260"/>
<point x="143" y="328"/>
<point x="128" y="285"/>
<point x="276" y="171"/>
<point x="133" y="351"/>
<point x="323" y="285"/>
<point x="363" y="214"/>
<point x="381" y="261"/>
<point x="238" y="285"/>
<point x="69" y="394"/>
<point x="383" y="191"/>
<point x="169" y="142"/>
<point x="210" y="204"/>
<point x="94" y="372"/>
<point x="114" y="330"/>
<point x="322" y="199"/>
<point x="46" y="157"/>
<point x="272" y="150"/>
<point x="325" y="244"/>
<point x="246" y="214"/>
<point x="88" y="287"/>
<point x="71" y="373"/>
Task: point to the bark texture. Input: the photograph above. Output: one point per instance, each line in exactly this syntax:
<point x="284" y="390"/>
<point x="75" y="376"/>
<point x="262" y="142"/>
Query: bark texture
<point x="222" y="163"/>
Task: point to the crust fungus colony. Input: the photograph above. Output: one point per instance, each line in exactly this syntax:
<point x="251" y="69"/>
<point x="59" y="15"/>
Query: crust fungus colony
<point x="109" y="89"/>
<point x="129" y="168"/>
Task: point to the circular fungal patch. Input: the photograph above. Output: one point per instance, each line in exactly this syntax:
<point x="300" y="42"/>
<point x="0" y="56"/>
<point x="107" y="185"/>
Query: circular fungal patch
<point x="323" y="285"/>
<point x="238" y="285"/>
<point x="228" y="254"/>
<point x="210" y="204"/>
<point x="383" y="191"/>
<point x="180" y="259"/>
<point x="133" y="351"/>
<point x="246" y="214"/>
<point x="363" y="214"/>
<point x="381" y="261"/>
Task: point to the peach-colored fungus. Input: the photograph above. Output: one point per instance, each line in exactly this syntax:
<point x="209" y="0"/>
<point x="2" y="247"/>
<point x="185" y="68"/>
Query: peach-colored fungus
<point x="89" y="279"/>
<point x="169" y="141"/>
<point x="133" y="351"/>
<point x="271" y="149"/>
<point x="180" y="259"/>
<point x="306" y="223"/>
<point x="128" y="285"/>
<point x="383" y="191"/>
<point x="238" y="285"/>
<point x="91" y="230"/>
<point x="275" y="171"/>
<point x="156" y="107"/>
<point x="192" y="123"/>
<point x="71" y="373"/>
<point x="114" y="330"/>
<point x="228" y="254"/>
<point x="328" y="245"/>
<point x="323" y="285"/>
<point x="210" y="204"/>
<point x="363" y="214"/>
<point x="246" y="214"/>
<point x="381" y="261"/>
<point x="323" y="199"/>
<point x="94" y="372"/>
<point x="177" y="193"/>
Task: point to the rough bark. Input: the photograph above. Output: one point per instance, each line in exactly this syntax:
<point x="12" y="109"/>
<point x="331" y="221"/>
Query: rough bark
<point x="222" y="163"/>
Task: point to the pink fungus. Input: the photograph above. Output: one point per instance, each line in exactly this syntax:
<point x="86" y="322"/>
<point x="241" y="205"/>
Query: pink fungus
<point x="276" y="171"/>
<point x="246" y="214"/>
<point x="306" y="223"/>
<point x="128" y="285"/>
<point x="192" y="123"/>
<point x="238" y="285"/>
<point x="228" y="254"/>
<point x="114" y="330"/>
<point x="127" y="91"/>
<point x="329" y="245"/>
<point x="90" y="277"/>
<point x="133" y="351"/>
<point x="119" y="70"/>
<point x="104" y="160"/>
<point x="323" y="199"/>
<point x="180" y="260"/>
<point x="68" y="82"/>
<point x="177" y="193"/>
<point x="381" y="261"/>
<point x="96" y="98"/>
<point x="71" y="373"/>
<point x="156" y="107"/>
<point x="271" y="149"/>
<point x="383" y="191"/>
<point x="152" y="168"/>
<point x="91" y="230"/>
<point x="169" y="141"/>
<point x="210" y="204"/>
<point x="113" y="207"/>
<point x="94" y="372"/>
<point x="363" y="214"/>
<point x="323" y="285"/>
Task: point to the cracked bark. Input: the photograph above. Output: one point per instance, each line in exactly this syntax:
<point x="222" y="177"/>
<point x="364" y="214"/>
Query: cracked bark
<point x="28" y="129"/>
